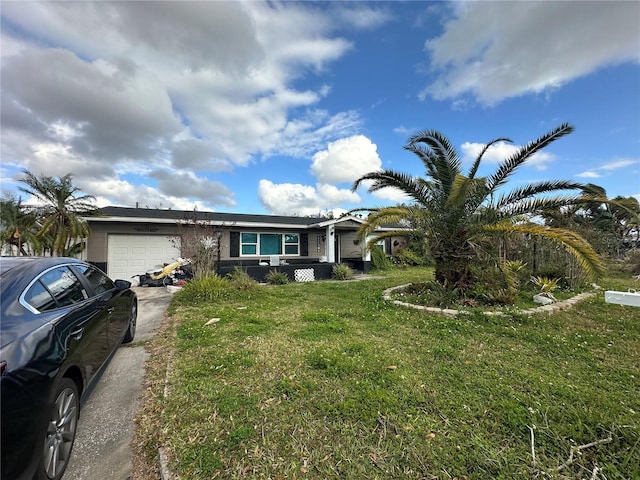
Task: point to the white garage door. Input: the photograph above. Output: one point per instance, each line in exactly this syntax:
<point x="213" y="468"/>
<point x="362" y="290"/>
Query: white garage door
<point x="130" y="255"/>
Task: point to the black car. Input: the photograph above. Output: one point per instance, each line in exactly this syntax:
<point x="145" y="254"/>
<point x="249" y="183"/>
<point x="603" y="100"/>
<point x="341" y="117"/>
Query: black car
<point x="61" y="320"/>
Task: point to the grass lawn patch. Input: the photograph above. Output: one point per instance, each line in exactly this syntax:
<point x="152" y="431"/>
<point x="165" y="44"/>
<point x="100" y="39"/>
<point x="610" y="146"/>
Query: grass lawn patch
<point x="326" y="380"/>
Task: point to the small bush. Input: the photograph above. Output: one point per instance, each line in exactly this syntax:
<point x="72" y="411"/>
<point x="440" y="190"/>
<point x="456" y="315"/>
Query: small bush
<point x="274" y="277"/>
<point x="634" y="261"/>
<point x="409" y="258"/>
<point x="379" y="260"/>
<point x="341" y="271"/>
<point x="240" y="280"/>
<point x="432" y="294"/>
<point x="206" y="289"/>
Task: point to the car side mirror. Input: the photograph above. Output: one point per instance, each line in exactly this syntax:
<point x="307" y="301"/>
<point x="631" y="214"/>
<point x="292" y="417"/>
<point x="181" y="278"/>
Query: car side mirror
<point x="122" y="284"/>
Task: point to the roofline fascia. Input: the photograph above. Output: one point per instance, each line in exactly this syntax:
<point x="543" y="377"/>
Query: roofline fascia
<point x="175" y="221"/>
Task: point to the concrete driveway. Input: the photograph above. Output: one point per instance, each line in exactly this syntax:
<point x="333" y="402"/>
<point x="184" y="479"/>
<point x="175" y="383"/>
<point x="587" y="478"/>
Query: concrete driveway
<point x="101" y="450"/>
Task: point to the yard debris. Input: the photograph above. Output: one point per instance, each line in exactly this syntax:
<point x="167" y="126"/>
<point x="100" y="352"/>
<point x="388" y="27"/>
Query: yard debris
<point x="213" y="321"/>
<point x="174" y="273"/>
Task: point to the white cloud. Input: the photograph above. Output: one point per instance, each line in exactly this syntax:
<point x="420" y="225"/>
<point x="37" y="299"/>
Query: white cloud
<point x="589" y="174"/>
<point x="392" y="194"/>
<point x="305" y="200"/>
<point x="404" y="131"/>
<point x="346" y="160"/>
<point x="500" y="151"/>
<point x="621" y="163"/>
<point x="362" y="17"/>
<point x="606" y="168"/>
<point x="122" y="193"/>
<point x="497" y="50"/>
<point x="189" y="85"/>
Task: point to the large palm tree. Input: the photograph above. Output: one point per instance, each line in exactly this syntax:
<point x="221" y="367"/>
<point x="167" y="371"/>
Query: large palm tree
<point x="61" y="210"/>
<point x="461" y="216"/>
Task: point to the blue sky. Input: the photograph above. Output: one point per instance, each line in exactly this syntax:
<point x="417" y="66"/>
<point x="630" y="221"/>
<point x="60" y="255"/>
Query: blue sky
<point x="277" y="107"/>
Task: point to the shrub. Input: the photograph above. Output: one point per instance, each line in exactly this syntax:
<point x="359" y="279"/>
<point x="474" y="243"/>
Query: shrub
<point x="341" y="271"/>
<point x="379" y="260"/>
<point x="206" y="289"/>
<point x="240" y="280"/>
<point x="634" y="262"/>
<point x="408" y="258"/>
<point x="274" y="277"/>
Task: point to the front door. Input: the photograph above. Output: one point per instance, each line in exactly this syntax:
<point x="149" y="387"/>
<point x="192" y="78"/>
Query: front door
<point x="337" y="249"/>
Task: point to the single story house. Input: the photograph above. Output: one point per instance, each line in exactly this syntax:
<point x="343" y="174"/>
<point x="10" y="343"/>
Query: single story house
<point x="130" y="241"/>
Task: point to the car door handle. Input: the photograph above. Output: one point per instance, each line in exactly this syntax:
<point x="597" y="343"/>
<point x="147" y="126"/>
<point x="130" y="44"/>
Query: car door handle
<point x="77" y="333"/>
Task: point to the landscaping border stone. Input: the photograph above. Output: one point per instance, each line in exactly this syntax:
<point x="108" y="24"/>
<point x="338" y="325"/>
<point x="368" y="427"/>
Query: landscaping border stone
<point x="564" y="304"/>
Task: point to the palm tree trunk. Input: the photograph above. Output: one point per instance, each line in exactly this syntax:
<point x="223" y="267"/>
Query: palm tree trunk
<point x="453" y="273"/>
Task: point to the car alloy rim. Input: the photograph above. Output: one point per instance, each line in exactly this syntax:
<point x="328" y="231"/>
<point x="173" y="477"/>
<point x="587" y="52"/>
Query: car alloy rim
<point x="61" y="433"/>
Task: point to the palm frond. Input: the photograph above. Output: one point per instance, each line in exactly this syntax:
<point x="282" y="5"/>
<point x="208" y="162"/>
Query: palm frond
<point x="534" y="189"/>
<point x="442" y="160"/>
<point x="476" y="163"/>
<point x="466" y="191"/>
<point x="509" y="166"/>
<point x="411" y="186"/>
<point x="571" y="241"/>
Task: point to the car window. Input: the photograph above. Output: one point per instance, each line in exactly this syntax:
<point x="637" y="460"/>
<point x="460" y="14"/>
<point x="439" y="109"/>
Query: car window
<point x="63" y="285"/>
<point x="40" y="298"/>
<point x="98" y="280"/>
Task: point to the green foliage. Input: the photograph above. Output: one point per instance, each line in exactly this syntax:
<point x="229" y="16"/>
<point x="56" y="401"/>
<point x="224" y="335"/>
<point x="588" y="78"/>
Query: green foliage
<point x="341" y="271"/>
<point x="275" y="277"/>
<point x="209" y="288"/>
<point x="433" y="294"/>
<point x="516" y="273"/>
<point x="379" y="260"/>
<point x="633" y="261"/>
<point x="464" y="217"/>
<point x="55" y="227"/>
<point x="409" y="258"/>
<point x="546" y="285"/>
<point x="19" y="227"/>
<point x="241" y="280"/>
<point x="60" y="219"/>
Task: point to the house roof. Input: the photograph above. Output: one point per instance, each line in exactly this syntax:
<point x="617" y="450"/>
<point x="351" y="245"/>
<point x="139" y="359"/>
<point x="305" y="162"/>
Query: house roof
<point x="154" y="215"/>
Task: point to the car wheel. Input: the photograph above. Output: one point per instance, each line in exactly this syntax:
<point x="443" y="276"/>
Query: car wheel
<point x="133" y="318"/>
<point x="61" y="431"/>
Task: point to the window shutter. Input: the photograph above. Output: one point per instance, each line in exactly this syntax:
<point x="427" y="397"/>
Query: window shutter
<point x="234" y="244"/>
<point x="304" y="244"/>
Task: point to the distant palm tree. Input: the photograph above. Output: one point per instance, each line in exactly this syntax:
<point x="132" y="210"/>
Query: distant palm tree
<point x="461" y="216"/>
<point x="61" y="211"/>
<point x="18" y="227"/>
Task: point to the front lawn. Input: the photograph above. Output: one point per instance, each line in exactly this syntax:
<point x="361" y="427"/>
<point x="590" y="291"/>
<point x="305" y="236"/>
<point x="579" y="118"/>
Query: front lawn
<point x="326" y="380"/>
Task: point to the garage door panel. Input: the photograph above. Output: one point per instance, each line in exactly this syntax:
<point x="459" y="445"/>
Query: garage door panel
<point x="130" y="255"/>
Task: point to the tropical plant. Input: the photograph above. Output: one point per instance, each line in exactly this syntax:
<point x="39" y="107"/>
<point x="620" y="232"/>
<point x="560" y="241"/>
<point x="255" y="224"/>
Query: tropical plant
<point x="276" y="277"/>
<point x="462" y="217"/>
<point x="546" y="286"/>
<point x="379" y="259"/>
<point x="18" y="228"/>
<point x="606" y="223"/>
<point x="341" y="271"/>
<point x="60" y="211"/>
<point x="240" y="279"/>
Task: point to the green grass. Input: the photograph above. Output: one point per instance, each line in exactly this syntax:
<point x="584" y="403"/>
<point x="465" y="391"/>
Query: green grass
<point x="326" y="380"/>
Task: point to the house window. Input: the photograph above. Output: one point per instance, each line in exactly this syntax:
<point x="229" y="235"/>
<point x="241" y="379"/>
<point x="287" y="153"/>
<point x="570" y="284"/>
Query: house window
<point x="270" y="244"/>
<point x="291" y="244"/>
<point x="249" y="244"/>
